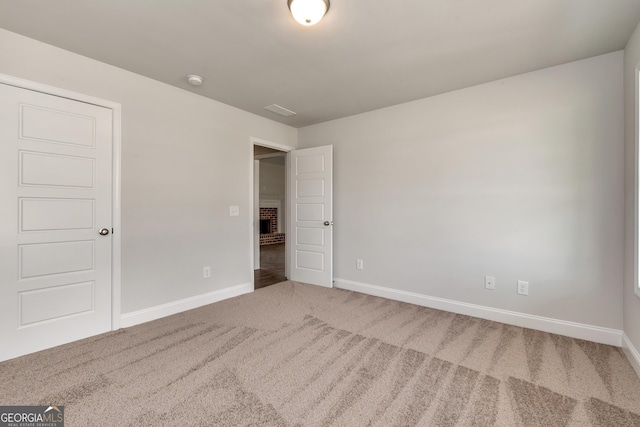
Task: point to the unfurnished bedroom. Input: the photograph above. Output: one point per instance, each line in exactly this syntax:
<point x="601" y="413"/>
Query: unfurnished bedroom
<point x="319" y="213"/>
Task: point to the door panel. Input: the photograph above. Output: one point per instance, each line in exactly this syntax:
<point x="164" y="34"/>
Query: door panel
<point x="56" y="171"/>
<point x="310" y="236"/>
<point x="57" y="126"/>
<point x="35" y="306"/>
<point x="39" y="214"/>
<point x="309" y="187"/>
<point x="55" y="182"/>
<point x="311" y="183"/>
<point x="310" y="212"/>
<point x="44" y="259"/>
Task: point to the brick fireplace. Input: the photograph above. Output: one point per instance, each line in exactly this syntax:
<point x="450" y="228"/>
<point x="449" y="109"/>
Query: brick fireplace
<point x="269" y="227"/>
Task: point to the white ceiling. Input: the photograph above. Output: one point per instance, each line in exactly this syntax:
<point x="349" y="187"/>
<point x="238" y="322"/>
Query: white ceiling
<point x="364" y="55"/>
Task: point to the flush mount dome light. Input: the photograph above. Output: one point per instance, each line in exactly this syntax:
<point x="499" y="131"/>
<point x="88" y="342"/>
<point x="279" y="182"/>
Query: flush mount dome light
<point x="308" y="12"/>
<point x="195" y="80"/>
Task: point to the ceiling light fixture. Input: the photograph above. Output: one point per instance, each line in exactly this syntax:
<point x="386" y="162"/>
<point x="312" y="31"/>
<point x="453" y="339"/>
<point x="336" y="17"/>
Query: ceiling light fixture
<point x="308" y="12"/>
<point x="194" y="80"/>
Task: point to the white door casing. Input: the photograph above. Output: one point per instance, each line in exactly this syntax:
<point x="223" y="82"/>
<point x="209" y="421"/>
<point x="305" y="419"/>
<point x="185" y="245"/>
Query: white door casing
<point x="311" y="192"/>
<point x="256" y="214"/>
<point x="254" y="224"/>
<point x="56" y="187"/>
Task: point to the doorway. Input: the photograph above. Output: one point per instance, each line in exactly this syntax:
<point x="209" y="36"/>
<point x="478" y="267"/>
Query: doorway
<point x="269" y="216"/>
<point x="307" y="212"/>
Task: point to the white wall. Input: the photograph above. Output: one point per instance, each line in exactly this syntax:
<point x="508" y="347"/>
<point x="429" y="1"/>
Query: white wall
<point x="273" y="186"/>
<point x="272" y="177"/>
<point x="631" y="301"/>
<point x="520" y="178"/>
<point x="185" y="159"/>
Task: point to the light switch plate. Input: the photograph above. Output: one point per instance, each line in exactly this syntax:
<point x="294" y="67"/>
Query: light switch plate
<point x="523" y="287"/>
<point x="234" y="210"/>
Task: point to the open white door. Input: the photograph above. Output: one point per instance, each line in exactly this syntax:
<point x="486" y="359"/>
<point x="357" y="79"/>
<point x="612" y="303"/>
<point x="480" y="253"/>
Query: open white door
<point x="55" y="220"/>
<point x="311" y="190"/>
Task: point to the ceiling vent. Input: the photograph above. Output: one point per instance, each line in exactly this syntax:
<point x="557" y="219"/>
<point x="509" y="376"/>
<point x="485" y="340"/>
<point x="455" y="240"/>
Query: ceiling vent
<point x="275" y="108"/>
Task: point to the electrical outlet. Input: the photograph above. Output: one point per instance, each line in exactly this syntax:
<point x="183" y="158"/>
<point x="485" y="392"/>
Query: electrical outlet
<point x="523" y="287"/>
<point x="359" y="264"/>
<point x="206" y="272"/>
<point x="489" y="282"/>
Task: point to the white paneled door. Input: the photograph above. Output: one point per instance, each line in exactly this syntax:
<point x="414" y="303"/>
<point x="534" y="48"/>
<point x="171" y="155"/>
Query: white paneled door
<point x="311" y="180"/>
<point x="55" y="190"/>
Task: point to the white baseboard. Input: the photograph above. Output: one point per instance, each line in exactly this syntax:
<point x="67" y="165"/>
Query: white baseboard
<point x="631" y="352"/>
<point x="546" y="324"/>
<point x="163" y="310"/>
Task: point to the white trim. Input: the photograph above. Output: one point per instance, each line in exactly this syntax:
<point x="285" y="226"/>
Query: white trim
<point x="287" y="218"/>
<point x="51" y="90"/>
<point x="636" y="184"/>
<point x="255" y="212"/>
<point x="116" y="238"/>
<point x="631" y="352"/>
<point x="270" y="156"/>
<point x="174" y="307"/>
<point x="270" y="202"/>
<point x="561" y="327"/>
<point x="269" y="144"/>
<point x="264" y="143"/>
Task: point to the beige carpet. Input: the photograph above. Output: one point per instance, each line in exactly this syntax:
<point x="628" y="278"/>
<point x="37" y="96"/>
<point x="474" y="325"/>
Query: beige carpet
<point x="300" y="355"/>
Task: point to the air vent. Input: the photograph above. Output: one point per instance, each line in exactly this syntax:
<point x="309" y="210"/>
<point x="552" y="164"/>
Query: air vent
<point x="275" y="108"/>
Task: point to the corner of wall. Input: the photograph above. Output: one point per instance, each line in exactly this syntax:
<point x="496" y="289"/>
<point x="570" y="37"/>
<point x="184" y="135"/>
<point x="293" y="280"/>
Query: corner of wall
<point x="632" y="353"/>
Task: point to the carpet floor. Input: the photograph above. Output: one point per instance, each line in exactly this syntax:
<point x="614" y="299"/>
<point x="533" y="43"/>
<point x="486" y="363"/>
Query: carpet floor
<point x="300" y="355"/>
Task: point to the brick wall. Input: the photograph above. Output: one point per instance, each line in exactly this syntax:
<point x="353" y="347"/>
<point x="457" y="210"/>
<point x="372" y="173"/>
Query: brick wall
<point x="271" y="239"/>
<point x="272" y="215"/>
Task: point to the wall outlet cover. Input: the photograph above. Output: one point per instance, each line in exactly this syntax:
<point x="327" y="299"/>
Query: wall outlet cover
<point x="489" y="282"/>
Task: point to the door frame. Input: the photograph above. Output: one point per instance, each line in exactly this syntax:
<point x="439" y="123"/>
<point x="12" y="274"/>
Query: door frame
<point x="116" y="194"/>
<point x="286" y="149"/>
